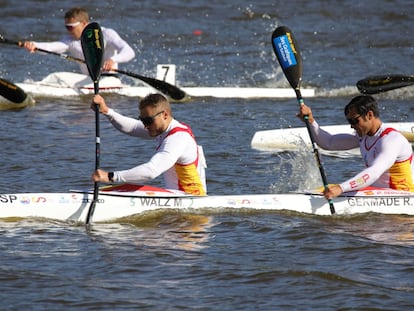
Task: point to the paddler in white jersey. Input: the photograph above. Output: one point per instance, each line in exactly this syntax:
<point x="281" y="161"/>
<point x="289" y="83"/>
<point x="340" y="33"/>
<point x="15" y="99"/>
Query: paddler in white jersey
<point x="387" y="154"/>
<point x="116" y="49"/>
<point x="177" y="154"/>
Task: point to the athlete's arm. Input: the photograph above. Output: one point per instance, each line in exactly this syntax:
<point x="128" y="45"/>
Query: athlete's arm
<point x="127" y="125"/>
<point x="174" y="148"/>
<point x="388" y="148"/>
<point x="328" y="141"/>
<point x="124" y="52"/>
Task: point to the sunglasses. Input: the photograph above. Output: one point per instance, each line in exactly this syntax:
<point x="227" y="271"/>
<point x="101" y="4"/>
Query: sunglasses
<point x="71" y="26"/>
<point x="147" y="121"/>
<point x="354" y="120"/>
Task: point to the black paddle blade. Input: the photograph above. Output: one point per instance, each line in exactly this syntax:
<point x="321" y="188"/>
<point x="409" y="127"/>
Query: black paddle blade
<point x="162" y="86"/>
<point x="379" y="84"/>
<point x="12" y="92"/>
<point x="93" y="49"/>
<point x="287" y="53"/>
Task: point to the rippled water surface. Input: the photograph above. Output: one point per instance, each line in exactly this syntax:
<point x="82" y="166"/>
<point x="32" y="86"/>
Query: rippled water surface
<point x="218" y="259"/>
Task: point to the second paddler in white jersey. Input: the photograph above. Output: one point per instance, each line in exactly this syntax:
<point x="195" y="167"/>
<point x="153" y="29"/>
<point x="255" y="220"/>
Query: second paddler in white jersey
<point x="387" y="154"/>
<point x="116" y="49"/>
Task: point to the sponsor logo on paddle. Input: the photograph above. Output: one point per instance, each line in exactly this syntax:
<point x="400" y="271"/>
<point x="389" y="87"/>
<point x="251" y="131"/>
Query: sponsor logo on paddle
<point x="285" y="50"/>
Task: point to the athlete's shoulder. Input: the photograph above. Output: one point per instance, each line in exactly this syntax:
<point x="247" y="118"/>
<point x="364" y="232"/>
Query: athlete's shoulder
<point x="109" y="32"/>
<point x="179" y="127"/>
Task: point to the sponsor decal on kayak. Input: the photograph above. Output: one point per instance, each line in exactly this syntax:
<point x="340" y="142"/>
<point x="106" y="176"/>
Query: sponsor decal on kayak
<point x="378" y="201"/>
<point x="39" y="199"/>
<point x="158" y="202"/>
<point x="7" y="198"/>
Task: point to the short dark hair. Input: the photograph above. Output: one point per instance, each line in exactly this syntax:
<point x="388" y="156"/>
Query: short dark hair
<point x="362" y="104"/>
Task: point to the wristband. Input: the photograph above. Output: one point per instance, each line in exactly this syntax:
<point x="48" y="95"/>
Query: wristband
<point x="111" y="176"/>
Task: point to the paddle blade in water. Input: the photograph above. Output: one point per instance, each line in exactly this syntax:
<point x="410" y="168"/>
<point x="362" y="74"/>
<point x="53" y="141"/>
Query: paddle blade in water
<point x="12" y="92"/>
<point x="379" y="84"/>
<point x="93" y="49"/>
<point x="288" y="55"/>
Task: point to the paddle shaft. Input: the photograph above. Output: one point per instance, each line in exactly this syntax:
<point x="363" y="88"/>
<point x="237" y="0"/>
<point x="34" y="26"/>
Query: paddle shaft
<point x="97" y="157"/>
<point x="164" y="87"/>
<point x="315" y="150"/>
<point x="93" y="50"/>
<point x="288" y="55"/>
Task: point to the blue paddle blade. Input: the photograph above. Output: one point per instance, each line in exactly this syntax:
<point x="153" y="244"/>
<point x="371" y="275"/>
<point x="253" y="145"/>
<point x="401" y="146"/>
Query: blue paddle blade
<point x="93" y="49"/>
<point x="288" y="55"/>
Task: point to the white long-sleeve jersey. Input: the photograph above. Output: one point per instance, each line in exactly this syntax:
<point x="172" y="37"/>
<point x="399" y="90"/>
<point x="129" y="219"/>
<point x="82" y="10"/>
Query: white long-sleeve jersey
<point x="115" y="48"/>
<point x="179" y="148"/>
<point x="387" y="156"/>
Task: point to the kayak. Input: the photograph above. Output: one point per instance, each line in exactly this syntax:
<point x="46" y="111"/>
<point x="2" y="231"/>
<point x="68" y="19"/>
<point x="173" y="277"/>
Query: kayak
<point x="121" y="201"/>
<point x="64" y="84"/>
<point x="292" y="139"/>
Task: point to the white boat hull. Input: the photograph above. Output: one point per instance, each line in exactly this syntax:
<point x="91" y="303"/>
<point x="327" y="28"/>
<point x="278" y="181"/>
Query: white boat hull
<point x="292" y="139"/>
<point x="118" y="203"/>
<point x="64" y="84"/>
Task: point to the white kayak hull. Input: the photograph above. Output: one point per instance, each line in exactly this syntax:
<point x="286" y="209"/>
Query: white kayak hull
<point x="292" y="139"/>
<point x="121" y="202"/>
<point x="64" y="84"/>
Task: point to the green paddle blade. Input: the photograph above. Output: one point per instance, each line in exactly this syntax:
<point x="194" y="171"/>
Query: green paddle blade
<point x="384" y="83"/>
<point x="287" y="53"/>
<point x="12" y="92"/>
<point x="93" y="49"/>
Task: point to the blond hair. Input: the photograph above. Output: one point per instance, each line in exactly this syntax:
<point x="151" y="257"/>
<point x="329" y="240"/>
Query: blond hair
<point x="155" y="100"/>
<point x="77" y="13"/>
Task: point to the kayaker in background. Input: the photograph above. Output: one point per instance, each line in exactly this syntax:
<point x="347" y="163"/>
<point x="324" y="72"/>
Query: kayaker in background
<point x="177" y="155"/>
<point x="386" y="152"/>
<point x="116" y="49"/>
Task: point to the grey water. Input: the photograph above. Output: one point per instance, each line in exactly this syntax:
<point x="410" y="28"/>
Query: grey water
<point x="218" y="261"/>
